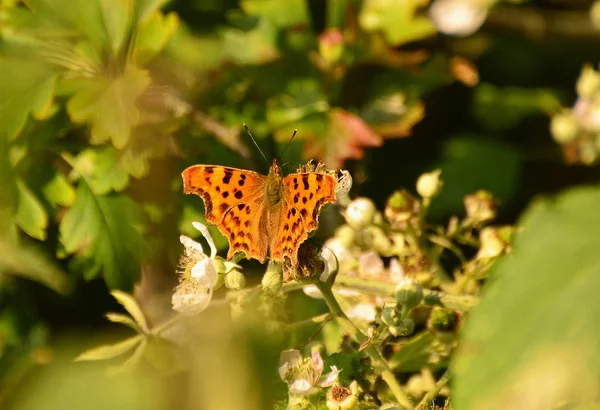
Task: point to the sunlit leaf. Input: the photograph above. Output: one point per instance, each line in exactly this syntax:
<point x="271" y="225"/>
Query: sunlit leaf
<point x="392" y="116"/>
<point x="256" y="46"/>
<point x="131" y="306"/>
<point x="104" y="228"/>
<point x="101" y="169"/>
<point x="302" y="98"/>
<point x="133" y="360"/>
<point x="113" y="350"/>
<point x="9" y="194"/>
<point x="346" y="138"/>
<point x="108" y="104"/>
<point x="539" y="315"/>
<point x="398" y="20"/>
<point x="153" y="34"/>
<point x="27" y="88"/>
<point x="31" y="216"/>
<point x="282" y="14"/>
<point x="123" y="320"/>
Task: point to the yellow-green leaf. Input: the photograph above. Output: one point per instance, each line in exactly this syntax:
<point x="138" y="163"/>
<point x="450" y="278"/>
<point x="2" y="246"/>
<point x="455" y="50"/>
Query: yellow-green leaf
<point x="109" y="351"/>
<point x="31" y="216"/>
<point x="124" y="320"/>
<point x="107" y="104"/>
<point x="131" y="305"/>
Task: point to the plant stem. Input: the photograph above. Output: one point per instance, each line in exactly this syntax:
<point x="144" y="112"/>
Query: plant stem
<point x="432" y="297"/>
<point x="325" y="317"/>
<point x="433" y="392"/>
<point x="378" y="361"/>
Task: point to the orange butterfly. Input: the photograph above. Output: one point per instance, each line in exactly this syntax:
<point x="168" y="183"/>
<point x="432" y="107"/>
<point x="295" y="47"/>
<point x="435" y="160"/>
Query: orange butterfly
<point x="261" y="214"/>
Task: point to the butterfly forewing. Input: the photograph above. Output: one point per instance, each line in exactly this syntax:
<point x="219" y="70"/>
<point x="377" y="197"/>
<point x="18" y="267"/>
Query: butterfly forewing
<point x="233" y="200"/>
<point x="304" y="194"/>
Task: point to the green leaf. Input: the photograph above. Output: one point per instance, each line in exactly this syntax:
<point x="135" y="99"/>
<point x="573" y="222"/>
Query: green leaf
<point x="470" y="163"/>
<point x="282" y="14"/>
<point x="31" y="216"/>
<point x="133" y="360"/>
<point x="113" y="350"/>
<point x="104" y="229"/>
<point x="9" y="194"/>
<point x="101" y="169"/>
<point x="153" y="34"/>
<point x="413" y="354"/>
<point x="302" y="98"/>
<point x="31" y="263"/>
<point x="535" y="336"/>
<point x="131" y="306"/>
<point x="397" y="20"/>
<point x="107" y="104"/>
<point x="254" y="47"/>
<point x="503" y="108"/>
<point x="27" y="86"/>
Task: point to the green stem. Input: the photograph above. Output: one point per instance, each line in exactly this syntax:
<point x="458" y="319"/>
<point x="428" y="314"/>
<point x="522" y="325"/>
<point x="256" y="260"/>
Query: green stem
<point x="431" y="297"/>
<point x="378" y="361"/>
<point x="325" y="317"/>
<point x="430" y="396"/>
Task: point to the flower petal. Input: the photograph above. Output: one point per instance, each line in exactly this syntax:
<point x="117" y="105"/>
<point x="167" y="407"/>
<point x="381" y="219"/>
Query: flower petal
<point x="205" y="272"/>
<point x="302" y="386"/>
<point x="191" y="303"/>
<point x="188" y="242"/>
<point x="204" y="231"/>
<point x="317" y="363"/>
<point x="291" y="356"/>
<point x="330" y="378"/>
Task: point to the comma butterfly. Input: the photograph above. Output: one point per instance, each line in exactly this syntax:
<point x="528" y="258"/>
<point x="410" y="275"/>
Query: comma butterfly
<point x="261" y="214"/>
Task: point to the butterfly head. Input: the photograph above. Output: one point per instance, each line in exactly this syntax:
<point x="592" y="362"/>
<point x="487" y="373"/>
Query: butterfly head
<point x="276" y="168"/>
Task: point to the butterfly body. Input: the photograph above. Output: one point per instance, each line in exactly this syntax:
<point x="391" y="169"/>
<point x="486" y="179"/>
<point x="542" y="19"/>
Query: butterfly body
<point x="261" y="215"/>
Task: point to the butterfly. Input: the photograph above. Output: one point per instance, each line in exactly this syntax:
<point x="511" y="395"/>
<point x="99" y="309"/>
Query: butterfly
<point x="261" y="214"/>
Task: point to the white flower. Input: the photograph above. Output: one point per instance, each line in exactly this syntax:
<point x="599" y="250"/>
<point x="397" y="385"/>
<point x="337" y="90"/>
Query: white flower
<point x="458" y="17"/>
<point x="370" y="263"/>
<point x="365" y="312"/>
<point x="198" y="275"/>
<point x="304" y="375"/>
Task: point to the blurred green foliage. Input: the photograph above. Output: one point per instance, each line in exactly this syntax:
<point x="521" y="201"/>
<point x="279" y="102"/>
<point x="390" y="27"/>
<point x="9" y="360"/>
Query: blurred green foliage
<point x="105" y="102"/>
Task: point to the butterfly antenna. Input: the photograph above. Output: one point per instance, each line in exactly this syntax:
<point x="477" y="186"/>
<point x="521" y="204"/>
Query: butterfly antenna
<point x="255" y="143"/>
<point x="288" y="144"/>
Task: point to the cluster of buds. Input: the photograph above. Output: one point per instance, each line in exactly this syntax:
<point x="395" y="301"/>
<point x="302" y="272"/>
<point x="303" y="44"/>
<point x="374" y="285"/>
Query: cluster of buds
<point x="577" y="129"/>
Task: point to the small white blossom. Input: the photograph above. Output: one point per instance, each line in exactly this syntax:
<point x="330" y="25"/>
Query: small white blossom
<point x="304" y="375"/>
<point x="198" y="275"/>
<point x="458" y="17"/>
<point x="370" y="263"/>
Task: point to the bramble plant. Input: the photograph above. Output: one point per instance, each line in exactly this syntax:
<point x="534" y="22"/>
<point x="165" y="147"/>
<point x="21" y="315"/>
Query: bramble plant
<point x="457" y="267"/>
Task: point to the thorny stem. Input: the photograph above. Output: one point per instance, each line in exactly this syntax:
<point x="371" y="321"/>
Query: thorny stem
<point x="428" y="398"/>
<point x="431" y="297"/>
<point x="379" y="362"/>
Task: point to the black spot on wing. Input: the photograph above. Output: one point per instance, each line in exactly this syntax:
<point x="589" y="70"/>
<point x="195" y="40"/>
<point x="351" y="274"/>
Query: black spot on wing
<point x="227" y="176"/>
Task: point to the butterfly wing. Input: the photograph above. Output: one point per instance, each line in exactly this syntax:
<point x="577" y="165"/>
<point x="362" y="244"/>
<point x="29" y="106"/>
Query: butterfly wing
<point x="234" y="201"/>
<point x="304" y="194"/>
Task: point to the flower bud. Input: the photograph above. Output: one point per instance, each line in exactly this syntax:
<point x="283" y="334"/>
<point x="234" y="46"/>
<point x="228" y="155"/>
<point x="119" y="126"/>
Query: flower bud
<point x="406" y="327"/>
<point x="429" y="184"/>
<point x="235" y="280"/>
<point x="564" y="127"/>
<point x="390" y="316"/>
<point x="492" y="245"/>
<point x="331" y="45"/>
<point x="360" y="213"/>
<point x="400" y="208"/>
<point x="343" y="398"/>
<point x="480" y="206"/>
<point x="442" y="319"/>
<point x="376" y="239"/>
<point x="589" y="82"/>
<point x="272" y="279"/>
<point x="408" y="294"/>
